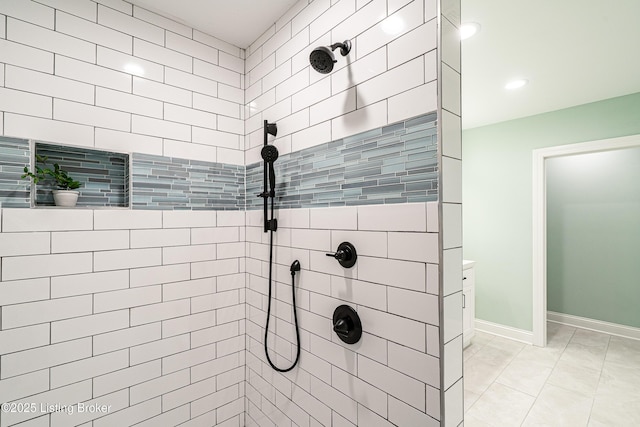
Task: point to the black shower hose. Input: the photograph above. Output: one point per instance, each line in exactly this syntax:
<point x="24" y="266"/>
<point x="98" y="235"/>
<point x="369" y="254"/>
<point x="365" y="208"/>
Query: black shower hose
<point x="294" y="267"/>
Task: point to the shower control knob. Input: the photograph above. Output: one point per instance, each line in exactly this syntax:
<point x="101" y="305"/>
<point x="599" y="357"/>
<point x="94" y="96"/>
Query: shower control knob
<point x="346" y="255"/>
<point x="346" y="324"/>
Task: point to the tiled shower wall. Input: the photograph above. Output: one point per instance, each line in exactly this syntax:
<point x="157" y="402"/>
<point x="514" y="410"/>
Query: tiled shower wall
<point x="141" y="310"/>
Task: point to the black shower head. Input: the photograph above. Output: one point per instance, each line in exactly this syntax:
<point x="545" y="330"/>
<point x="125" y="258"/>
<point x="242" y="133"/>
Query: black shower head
<point x="322" y="58"/>
<point x="269" y="153"/>
<point x="270" y="128"/>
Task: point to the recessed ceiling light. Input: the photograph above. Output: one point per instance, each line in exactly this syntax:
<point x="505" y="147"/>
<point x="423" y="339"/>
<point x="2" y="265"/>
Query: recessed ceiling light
<point x="469" y="29"/>
<point x="516" y="84"/>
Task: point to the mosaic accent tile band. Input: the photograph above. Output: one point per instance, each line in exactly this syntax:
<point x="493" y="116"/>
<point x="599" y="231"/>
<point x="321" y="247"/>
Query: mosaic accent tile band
<point x="14" y="155"/>
<point x="104" y="175"/>
<point x="172" y="183"/>
<point x="393" y="164"/>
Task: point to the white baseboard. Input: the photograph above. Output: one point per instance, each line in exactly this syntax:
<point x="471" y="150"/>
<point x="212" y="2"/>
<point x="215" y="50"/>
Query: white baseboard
<point x="504" y="331"/>
<point x="594" y="325"/>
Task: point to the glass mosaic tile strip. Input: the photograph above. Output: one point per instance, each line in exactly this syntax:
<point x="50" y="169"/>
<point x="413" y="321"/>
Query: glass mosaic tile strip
<point x="14" y="155"/>
<point x="104" y="175"/>
<point x="392" y="164"/>
<point x="171" y="183"/>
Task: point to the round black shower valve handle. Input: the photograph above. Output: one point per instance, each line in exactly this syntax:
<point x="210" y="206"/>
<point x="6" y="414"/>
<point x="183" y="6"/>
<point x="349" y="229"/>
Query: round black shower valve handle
<point x="346" y="255"/>
<point x="346" y="324"/>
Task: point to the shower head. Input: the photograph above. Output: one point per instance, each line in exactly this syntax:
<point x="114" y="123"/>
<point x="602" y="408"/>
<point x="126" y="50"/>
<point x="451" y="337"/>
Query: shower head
<point x="269" y="153"/>
<point x="270" y="128"/>
<point x="322" y="58"/>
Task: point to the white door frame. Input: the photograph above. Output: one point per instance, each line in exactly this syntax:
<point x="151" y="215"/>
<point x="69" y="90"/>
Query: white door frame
<point x="540" y="219"/>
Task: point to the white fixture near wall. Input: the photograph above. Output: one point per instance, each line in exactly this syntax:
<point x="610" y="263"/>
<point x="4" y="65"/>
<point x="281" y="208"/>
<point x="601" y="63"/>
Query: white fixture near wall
<point x="468" y="301"/>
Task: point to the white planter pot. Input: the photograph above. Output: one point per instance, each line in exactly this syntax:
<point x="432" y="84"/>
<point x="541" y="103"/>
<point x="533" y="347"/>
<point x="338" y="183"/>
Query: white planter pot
<point x="65" y="198"/>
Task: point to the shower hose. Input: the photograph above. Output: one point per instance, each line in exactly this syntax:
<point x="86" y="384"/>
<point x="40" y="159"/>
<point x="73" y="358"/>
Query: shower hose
<point x="295" y="266"/>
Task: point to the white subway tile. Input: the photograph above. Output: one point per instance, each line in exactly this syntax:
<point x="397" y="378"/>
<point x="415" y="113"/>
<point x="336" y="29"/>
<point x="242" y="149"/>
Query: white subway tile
<point x="92" y="74"/>
<point x="359" y="292"/>
<point x="88" y="368"/>
<point x="332" y="17"/>
<point x="31" y="220"/>
<point x="25" y="56"/>
<point x="116" y="300"/>
<point x="211" y="335"/>
<point x="194" y="322"/>
<point x="432" y="217"/>
<point x="308" y="15"/>
<point x="364" y="393"/>
<point x="215" y="138"/>
<point x="216" y="73"/>
<point x="127" y="142"/>
<point x="12" y="244"/>
<point x="127" y="219"/>
<point x="294" y="123"/>
<point x="452" y="316"/>
<point x="395" y="328"/>
<point x="160" y="128"/>
<point x="155" y="90"/>
<point x="130" y="25"/>
<point x="397" y="217"/>
<point x="415" y="364"/>
<point x="451" y="185"/>
<point x="254" y="58"/>
<point x="452" y="225"/>
<point x="19" y="339"/>
<point x="159" y="386"/>
<point x="22" y="267"/>
<point x="295" y="83"/>
<point x="278" y="110"/>
<point x="312" y="94"/>
<point x="52" y="41"/>
<point x="20" y="291"/>
<point x="125" y="378"/>
<point x="78" y="8"/>
<point x="86" y="241"/>
<point x="188" y="150"/>
<point x="230" y="250"/>
<point x="187" y="289"/>
<point x="278" y="39"/>
<point x="161" y="55"/>
<point x="394" y="81"/>
<point x="215" y="105"/>
<point x="233" y="157"/>
<point x="311" y="405"/>
<point x="3" y="26"/>
<point x="340" y="218"/>
<point x="129" y="103"/>
<point x="155" y="238"/>
<point x="393" y="382"/>
<point x="217" y="43"/>
<point x="430" y="66"/>
<point x="12" y="389"/>
<point x="44" y="357"/>
<point x="277" y="76"/>
<point x="413" y="44"/>
<point x="190" y="82"/>
<point x="341" y="403"/>
<point x="454" y="403"/>
<point x="94" y="116"/>
<point x="364" y="18"/>
<point x="46" y="84"/>
<point x="422" y="247"/>
<point x="132" y="414"/>
<point x="359" y="71"/>
<point x="229" y="124"/>
<point x="311" y="239"/>
<point x="411" y="16"/>
<point x="29" y="11"/>
<point x="311" y="136"/>
<point x="231" y="93"/>
<point x="81" y="284"/>
<point x="158" y="275"/>
<point x="451" y="135"/>
<point x="79" y="327"/>
<point x="231" y="281"/>
<point x="215" y="301"/>
<point x="48" y="130"/>
<point x="413" y="102"/>
<point x="397" y="273"/>
<point x="414" y="305"/>
<point x="182" y="219"/>
<point x="367" y="243"/>
<point x="342" y="357"/>
<point x="337" y="105"/>
<point x="158" y="312"/>
<point x="192" y="48"/>
<point x="94" y="33"/>
<point x="450" y="49"/>
<point x="266" y="66"/>
<point x="129" y="64"/>
<point x="112" y="402"/>
<point x="128" y="258"/>
<point x="157" y="349"/>
<point x="292" y="47"/>
<point x="187" y="359"/>
<point x="161" y="21"/>
<point x="369" y="117"/>
<point x="126" y="338"/>
<point x="450" y="90"/>
<point x="402" y="414"/>
<point x="453" y="361"/>
<point x="16" y="101"/>
<point x="189" y="116"/>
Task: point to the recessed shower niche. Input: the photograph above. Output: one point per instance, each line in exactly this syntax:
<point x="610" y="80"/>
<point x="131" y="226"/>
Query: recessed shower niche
<point x="104" y="175"/>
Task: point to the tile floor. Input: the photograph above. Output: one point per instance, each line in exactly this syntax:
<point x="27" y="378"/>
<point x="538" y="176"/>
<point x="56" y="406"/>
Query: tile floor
<point x="582" y="378"/>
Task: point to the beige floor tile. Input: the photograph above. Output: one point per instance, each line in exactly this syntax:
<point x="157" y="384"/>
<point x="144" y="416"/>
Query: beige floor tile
<point x="559" y="407"/>
<point x="546" y="356"/>
<point x="575" y="377"/>
<point x="624" y="350"/>
<point x="619" y="381"/>
<point x="470" y="397"/>
<point x="525" y="375"/>
<point x="590" y="338"/>
<point x="583" y="355"/>
<point x="478" y="375"/>
<point x="501" y="406"/>
<point x="615" y="411"/>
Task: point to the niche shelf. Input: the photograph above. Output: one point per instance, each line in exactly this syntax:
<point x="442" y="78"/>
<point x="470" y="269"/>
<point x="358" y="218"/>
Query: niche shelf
<point x="105" y="175"/>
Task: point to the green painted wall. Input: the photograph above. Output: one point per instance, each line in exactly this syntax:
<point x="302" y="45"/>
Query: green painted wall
<point x="593" y="235"/>
<point x="497" y="196"/>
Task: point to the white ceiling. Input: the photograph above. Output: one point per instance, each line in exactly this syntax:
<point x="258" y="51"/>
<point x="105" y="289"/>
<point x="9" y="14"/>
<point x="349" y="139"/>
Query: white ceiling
<point x="571" y="51"/>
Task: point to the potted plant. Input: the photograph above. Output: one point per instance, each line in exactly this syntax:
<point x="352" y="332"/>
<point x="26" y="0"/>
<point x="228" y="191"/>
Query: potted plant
<point x="65" y="195"/>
